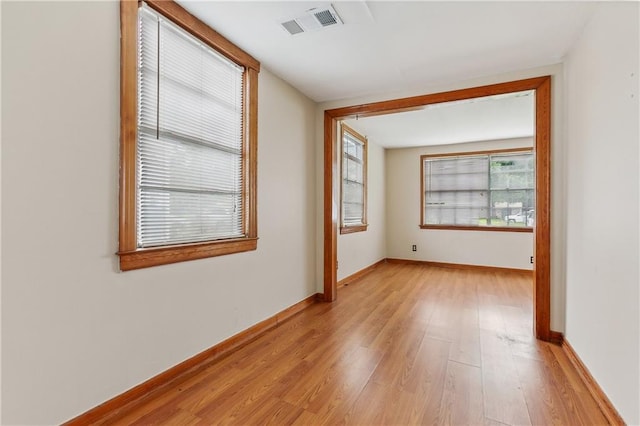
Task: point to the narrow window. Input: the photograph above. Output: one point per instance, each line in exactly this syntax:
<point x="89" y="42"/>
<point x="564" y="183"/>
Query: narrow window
<point x="486" y="190"/>
<point x="354" y="181"/>
<point x="188" y="157"/>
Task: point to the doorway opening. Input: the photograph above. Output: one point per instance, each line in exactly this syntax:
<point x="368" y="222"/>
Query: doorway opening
<point x="542" y="153"/>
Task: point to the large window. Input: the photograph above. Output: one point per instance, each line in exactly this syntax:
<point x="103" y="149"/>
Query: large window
<point x="479" y="190"/>
<point x="188" y="140"/>
<point x="354" y="181"/>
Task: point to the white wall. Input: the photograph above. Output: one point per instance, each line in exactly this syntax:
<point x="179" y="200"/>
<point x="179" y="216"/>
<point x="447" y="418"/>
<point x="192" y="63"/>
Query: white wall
<point x="75" y="331"/>
<point x="358" y="250"/>
<point x="487" y="248"/>
<point x="603" y="203"/>
<point x="557" y="170"/>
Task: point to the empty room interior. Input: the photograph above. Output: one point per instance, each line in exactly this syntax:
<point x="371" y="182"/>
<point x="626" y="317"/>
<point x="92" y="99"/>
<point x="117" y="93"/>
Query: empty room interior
<point x="358" y="212"/>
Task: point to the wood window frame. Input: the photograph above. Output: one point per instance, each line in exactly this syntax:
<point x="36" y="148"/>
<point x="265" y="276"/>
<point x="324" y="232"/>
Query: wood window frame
<point x="132" y="257"/>
<point x="466" y="227"/>
<point x="349" y="229"/>
<point x="542" y="149"/>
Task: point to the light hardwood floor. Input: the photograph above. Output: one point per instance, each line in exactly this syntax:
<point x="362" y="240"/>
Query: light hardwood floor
<point x="406" y="344"/>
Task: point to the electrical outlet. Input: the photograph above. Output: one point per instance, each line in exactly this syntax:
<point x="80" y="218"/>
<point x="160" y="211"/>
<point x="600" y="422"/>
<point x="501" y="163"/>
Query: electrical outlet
<point x="414" y="248"/>
<point x="531" y="260"/>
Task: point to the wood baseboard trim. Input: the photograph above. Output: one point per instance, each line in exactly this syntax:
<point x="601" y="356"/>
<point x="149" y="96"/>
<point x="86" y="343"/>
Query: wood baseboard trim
<point x="361" y="273"/>
<point x="459" y="266"/>
<point x="189" y="367"/>
<point x="607" y="408"/>
<point x="556" y="337"/>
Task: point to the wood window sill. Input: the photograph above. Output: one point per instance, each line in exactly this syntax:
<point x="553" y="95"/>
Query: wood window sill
<point x="145" y="258"/>
<point x="352" y="229"/>
<point x="478" y="228"/>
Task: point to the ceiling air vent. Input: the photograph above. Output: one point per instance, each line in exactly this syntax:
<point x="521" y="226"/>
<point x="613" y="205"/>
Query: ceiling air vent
<point x="325" y="17"/>
<point x="312" y="20"/>
<point x="292" y="27"/>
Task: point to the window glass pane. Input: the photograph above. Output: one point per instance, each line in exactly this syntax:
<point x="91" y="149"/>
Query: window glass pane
<point x="200" y="92"/>
<point x="452" y="174"/>
<point x="514" y="171"/>
<point x="353" y="180"/>
<point x="189" y="159"/>
<point x="480" y="190"/>
<point x="353" y="193"/>
<point x="353" y="171"/>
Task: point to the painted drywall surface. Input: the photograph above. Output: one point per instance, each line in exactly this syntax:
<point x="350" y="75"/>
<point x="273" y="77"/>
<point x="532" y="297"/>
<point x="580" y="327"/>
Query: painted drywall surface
<point x="557" y="169"/>
<point x="358" y="250"/>
<point x="75" y="330"/>
<point x="487" y="248"/>
<point x="603" y="203"/>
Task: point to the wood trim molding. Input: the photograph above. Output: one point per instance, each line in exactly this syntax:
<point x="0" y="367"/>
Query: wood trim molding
<point x="189" y="367"/>
<point x="478" y="228"/>
<point x="361" y="273"/>
<point x="128" y="118"/>
<point x="472" y="153"/>
<point x="556" y="337"/>
<point x="607" y="408"/>
<point x="331" y="206"/>
<point x="145" y="258"/>
<point x="195" y="26"/>
<point x="542" y="149"/>
<point x="418" y="102"/>
<point x="542" y="234"/>
<point x="457" y="266"/>
<point x="354" y="228"/>
<point x="251" y="145"/>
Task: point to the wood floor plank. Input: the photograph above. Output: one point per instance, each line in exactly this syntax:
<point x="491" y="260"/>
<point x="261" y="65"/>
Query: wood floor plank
<point x="396" y="364"/>
<point x="462" y="397"/>
<point x="426" y="379"/>
<point x="567" y="383"/>
<point x="544" y="403"/>
<point x="503" y="398"/>
<point x="404" y="344"/>
<point x="489" y="315"/>
<point x="465" y="346"/>
<point x="371" y="407"/>
<point x="306" y="418"/>
<point x="339" y="385"/>
<point x="273" y="411"/>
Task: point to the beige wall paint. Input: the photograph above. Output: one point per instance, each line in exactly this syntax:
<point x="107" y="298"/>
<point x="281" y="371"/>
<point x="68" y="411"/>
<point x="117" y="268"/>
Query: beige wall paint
<point x="358" y="250"/>
<point x="502" y="249"/>
<point x="603" y="324"/>
<point x="558" y="253"/>
<point x="75" y="330"/>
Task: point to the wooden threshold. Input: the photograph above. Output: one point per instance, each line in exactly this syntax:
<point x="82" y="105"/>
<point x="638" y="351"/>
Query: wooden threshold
<point x="605" y="405"/>
<point x="361" y="273"/>
<point x="189" y="367"/>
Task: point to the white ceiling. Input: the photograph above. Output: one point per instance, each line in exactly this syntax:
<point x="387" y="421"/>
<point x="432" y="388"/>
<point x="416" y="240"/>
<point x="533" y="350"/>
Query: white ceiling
<point x="391" y="46"/>
<point x="480" y="119"/>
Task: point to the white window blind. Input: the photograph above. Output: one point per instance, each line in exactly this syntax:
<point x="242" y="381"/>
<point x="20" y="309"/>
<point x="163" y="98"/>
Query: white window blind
<point x="480" y="190"/>
<point x="190" y="118"/>
<point x="353" y="186"/>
